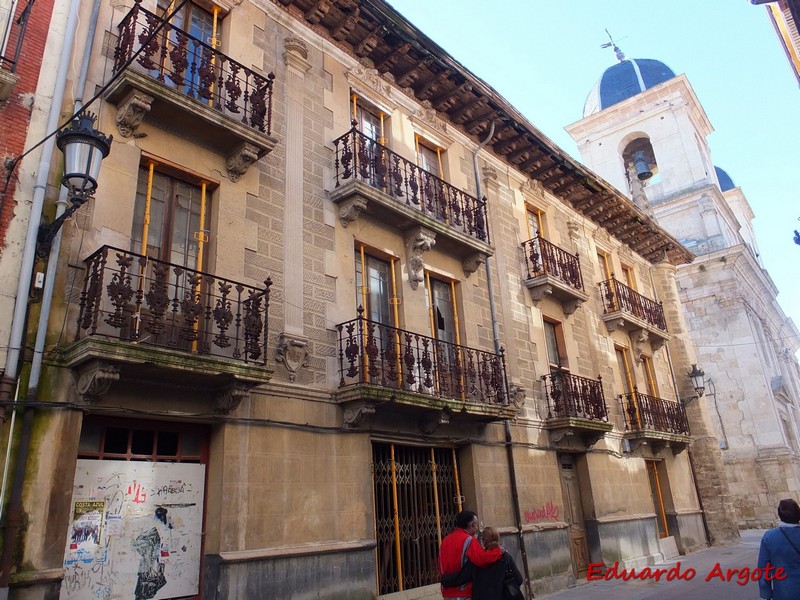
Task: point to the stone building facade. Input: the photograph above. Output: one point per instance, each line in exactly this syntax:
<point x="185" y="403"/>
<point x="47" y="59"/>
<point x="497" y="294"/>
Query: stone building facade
<point x="745" y="343"/>
<point x="332" y="289"/>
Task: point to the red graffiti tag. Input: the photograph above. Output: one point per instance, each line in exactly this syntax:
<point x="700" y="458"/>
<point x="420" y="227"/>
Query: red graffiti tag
<point x="548" y="511"/>
<point x="138" y="492"/>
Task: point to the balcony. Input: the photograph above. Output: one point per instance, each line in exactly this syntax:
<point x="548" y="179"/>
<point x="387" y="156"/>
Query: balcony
<point x="12" y="35"/>
<point x="640" y="316"/>
<point x="655" y="421"/>
<point x="552" y="271"/>
<point x="371" y="178"/>
<point x="576" y="409"/>
<point x="187" y="86"/>
<point x="144" y="320"/>
<point x="383" y="368"/>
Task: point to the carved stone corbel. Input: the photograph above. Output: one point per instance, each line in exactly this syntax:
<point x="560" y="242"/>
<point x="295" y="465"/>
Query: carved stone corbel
<point x="656" y="343"/>
<point x="229" y="398"/>
<point x="561" y="435"/>
<point x="428" y="425"/>
<point x="354" y="414"/>
<point x="240" y="160"/>
<point x="573" y="230"/>
<point x="615" y="324"/>
<point x="96" y="381"/>
<point x="472" y="263"/>
<point x="293" y="353"/>
<point x="132" y="111"/>
<point x="570" y="307"/>
<point x="350" y="209"/>
<point x="540" y="291"/>
<point x="418" y="240"/>
<point x="639" y="338"/>
<point x="295" y="55"/>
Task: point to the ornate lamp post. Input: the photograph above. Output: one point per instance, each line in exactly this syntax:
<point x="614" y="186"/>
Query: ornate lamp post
<point x="698" y="378"/>
<point x="84" y="149"/>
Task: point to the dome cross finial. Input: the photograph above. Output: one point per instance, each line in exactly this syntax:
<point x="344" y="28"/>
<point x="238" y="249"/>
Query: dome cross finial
<point x="612" y="44"/>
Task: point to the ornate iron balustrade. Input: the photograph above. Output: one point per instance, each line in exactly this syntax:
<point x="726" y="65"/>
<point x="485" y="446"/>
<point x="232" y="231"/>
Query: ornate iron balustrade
<point x="377" y="354"/>
<point x="618" y="296"/>
<point x="196" y="69"/>
<point x="573" y="396"/>
<point x="130" y="297"/>
<point x="545" y="258"/>
<point x="359" y="157"/>
<point x="648" y="412"/>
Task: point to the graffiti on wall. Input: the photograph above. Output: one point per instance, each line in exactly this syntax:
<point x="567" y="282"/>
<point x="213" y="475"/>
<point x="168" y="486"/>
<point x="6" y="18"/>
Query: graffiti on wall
<point x="135" y="531"/>
<point x="547" y="512"/>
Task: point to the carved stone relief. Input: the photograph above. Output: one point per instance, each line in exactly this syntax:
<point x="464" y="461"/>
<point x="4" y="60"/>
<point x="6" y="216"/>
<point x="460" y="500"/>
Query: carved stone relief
<point x="240" y="160"/>
<point x="354" y="414"/>
<point x="293" y="353"/>
<point x="96" y="381"/>
<point x="350" y="209"/>
<point x="472" y="263"/>
<point x="229" y="398"/>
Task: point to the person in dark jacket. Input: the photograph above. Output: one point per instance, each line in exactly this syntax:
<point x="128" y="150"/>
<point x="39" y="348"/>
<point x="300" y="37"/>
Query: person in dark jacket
<point x="780" y="547"/>
<point x="487" y="582"/>
<point x="458" y="549"/>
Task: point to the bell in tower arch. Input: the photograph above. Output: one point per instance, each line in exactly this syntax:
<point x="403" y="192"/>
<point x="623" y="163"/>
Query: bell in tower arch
<point x="642" y="165"/>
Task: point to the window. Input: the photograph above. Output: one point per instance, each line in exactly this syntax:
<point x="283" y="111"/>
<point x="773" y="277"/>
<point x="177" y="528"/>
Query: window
<point x="111" y="439"/>
<point x="624" y="368"/>
<point x="554" y="343"/>
<point x="630" y="281"/>
<point x="444" y="318"/>
<point x="172" y="214"/>
<point x="375" y="287"/>
<point x="417" y="498"/>
<point x="649" y="377"/>
<point x="605" y="264"/>
<point x="369" y="120"/>
<point x="535" y="219"/>
<point x="203" y="29"/>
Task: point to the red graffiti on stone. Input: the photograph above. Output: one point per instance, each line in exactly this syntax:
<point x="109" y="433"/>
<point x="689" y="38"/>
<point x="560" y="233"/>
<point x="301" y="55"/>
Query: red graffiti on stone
<point x="548" y="511"/>
<point x="138" y="492"/>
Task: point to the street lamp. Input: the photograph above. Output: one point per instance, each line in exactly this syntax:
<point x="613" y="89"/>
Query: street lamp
<point x="698" y="378"/>
<point x="84" y="149"/>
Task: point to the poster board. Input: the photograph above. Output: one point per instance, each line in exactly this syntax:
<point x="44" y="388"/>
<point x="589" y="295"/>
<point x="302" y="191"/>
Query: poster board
<point x="135" y="531"/>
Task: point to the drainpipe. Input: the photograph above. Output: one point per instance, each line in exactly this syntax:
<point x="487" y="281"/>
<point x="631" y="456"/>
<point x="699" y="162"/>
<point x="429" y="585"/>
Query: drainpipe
<point x="11" y="526"/>
<point x="512" y="472"/>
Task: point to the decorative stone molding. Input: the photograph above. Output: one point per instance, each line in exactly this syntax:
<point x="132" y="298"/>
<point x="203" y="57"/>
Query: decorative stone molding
<point x="613" y="324"/>
<point x="428" y="116"/>
<point x="489" y="173"/>
<point x="656" y="343"/>
<point x="429" y="424"/>
<point x="354" y="415"/>
<point x="229" y="398"/>
<point x="472" y="263"/>
<point x="241" y="159"/>
<point x="350" y="210"/>
<point x="569" y="307"/>
<point x="561" y="435"/>
<point x="295" y="55"/>
<point x="132" y="110"/>
<point x="372" y="79"/>
<point x="573" y="230"/>
<point x="533" y="187"/>
<point x="418" y="240"/>
<point x="96" y="381"/>
<point x="538" y="293"/>
<point x="292" y="352"/>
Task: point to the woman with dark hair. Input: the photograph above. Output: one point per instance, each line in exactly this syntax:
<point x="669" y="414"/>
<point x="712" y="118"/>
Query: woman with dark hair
<point x="780" y="547"/>
<point x="459" y="550"/>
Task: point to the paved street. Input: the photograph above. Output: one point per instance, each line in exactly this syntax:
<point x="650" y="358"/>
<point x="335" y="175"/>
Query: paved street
<point x="703" y="562"/>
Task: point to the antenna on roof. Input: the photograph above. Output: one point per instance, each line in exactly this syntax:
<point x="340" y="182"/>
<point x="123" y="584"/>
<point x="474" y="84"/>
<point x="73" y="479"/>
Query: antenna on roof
<point x="611" y="44"/>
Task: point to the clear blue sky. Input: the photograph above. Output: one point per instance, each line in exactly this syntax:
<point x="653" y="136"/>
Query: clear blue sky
<point x="545" y="56"/>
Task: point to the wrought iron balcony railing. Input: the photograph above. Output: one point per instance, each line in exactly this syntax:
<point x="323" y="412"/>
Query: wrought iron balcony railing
<point x="195" y="69"/>
<point x="618" y="296"/>
<point x="12" y="35"/>
<point x="644" y="412"/>
<point x="382" y="355"/>
<point x="360" y="158"/>
<point x="571" y="396"/>
<point x="133" y="298"/>
<point x="545" y="258"/>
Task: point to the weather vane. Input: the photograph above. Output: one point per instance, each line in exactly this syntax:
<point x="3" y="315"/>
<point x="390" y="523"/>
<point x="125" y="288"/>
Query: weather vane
<point x="612" y="44"/>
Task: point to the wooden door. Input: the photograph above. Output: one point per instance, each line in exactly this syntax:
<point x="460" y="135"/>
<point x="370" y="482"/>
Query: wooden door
<point x="573" y="514"/>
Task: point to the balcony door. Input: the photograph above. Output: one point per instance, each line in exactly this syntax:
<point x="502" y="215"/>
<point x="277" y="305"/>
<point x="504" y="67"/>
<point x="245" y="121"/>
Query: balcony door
<point x="171" y="214"/>
<point x="442" y="302"/>
<point x="375" y="288"/>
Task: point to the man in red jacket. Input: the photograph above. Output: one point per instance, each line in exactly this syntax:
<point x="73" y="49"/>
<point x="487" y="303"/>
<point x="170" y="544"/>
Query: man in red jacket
<point x="459" y="546"/>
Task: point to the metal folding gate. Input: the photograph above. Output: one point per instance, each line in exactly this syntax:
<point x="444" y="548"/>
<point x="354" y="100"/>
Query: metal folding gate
<point x="417" y="498"/>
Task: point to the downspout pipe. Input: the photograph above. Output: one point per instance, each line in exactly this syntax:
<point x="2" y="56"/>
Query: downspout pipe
<point x="11" y="526"/>
<point x="512" y="471"/>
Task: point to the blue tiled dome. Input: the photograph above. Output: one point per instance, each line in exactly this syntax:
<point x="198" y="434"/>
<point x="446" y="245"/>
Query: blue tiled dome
<point x="624" y="80"/>
<point x="725" y="181"/>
